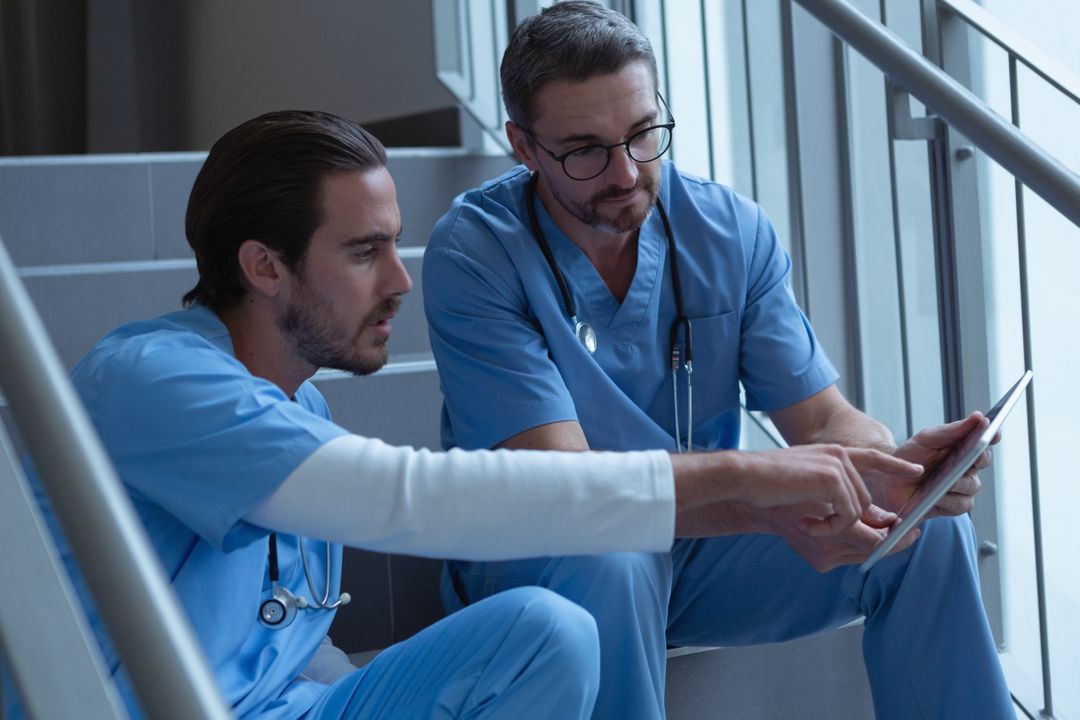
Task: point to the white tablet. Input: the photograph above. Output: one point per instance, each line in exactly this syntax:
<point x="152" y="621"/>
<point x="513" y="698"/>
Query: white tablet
<point x="951" y="469"/>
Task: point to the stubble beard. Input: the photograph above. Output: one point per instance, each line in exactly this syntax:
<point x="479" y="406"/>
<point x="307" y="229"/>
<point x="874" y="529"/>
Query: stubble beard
<point x="308" y="328"/>
<point x="628" y="219"/>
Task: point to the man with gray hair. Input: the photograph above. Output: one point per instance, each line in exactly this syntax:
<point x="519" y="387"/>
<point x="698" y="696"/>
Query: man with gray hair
<point x="605" y="300"/>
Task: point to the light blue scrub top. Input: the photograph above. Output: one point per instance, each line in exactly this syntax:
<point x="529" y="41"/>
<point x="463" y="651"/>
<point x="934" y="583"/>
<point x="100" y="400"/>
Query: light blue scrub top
<point x="506" y="350"/>
<point x="199" y="441"/>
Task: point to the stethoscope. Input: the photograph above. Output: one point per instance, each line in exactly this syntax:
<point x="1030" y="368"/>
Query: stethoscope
<point x="585" y="334"/>
<point x="279" y="610"/>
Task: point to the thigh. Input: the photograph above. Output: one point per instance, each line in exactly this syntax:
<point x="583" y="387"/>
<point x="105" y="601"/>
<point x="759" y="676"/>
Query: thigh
<point x="592" y="581"/>
<point x="747" y="589"/>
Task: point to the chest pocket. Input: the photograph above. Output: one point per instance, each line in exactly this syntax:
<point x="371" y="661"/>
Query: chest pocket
<point x="716" y="366"/>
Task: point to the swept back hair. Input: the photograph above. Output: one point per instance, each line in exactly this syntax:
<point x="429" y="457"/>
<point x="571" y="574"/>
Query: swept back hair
<point x="263" y="181"/>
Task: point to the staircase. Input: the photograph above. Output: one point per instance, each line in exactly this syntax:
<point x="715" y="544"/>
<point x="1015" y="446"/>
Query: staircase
<point x="99" y="241"/>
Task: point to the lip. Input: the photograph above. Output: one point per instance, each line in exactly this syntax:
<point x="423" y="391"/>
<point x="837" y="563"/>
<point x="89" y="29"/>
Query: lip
<point x="383" y="326"/>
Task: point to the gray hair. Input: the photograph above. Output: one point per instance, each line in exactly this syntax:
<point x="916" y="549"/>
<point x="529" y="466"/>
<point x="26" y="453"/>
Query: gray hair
<point x="571" y="41"/>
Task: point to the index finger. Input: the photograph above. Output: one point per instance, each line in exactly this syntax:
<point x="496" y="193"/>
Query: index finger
<point x="866" y="459"/>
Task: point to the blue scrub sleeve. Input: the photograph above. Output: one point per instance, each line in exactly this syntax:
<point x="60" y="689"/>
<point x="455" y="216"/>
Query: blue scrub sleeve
<point x="497" y="376"/>
<point x="781" y="360"/>
<point x="191" y="430"/>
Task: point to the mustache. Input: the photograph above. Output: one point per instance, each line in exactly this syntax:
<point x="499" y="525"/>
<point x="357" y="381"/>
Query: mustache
<point x="383" y="310"/>
<point x="614" y="193"/>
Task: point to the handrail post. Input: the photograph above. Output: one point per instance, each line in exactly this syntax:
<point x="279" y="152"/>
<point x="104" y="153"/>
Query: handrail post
<point x="125" y="577"/>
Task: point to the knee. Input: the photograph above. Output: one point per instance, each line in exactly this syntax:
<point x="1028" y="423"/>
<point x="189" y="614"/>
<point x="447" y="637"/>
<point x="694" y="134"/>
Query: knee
<point x="950" y="536"/>
<point x="620" y="573"/>
<point x="946" y="547"/>
<point x="567" y="631"/>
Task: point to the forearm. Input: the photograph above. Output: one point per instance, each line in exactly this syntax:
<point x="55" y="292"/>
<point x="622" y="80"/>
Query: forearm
<point x="484" y="505"/>
<point x="721" y="518"/>
<point x="849" y="427"/>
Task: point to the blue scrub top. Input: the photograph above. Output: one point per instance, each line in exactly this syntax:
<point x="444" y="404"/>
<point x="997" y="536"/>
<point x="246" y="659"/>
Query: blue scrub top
<point x="198" y="441"/>
<point x="506" y="350"/>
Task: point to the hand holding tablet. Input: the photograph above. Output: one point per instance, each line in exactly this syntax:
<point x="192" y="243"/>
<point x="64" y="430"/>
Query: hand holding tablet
<point x="944" y="477"/>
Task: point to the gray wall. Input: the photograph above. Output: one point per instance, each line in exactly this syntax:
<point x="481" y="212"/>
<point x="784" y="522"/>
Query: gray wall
<point x="140" y="76"/>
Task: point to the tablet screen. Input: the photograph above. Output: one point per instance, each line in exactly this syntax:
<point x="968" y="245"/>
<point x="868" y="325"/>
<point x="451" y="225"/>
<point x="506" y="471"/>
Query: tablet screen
<point x="951" y="469"/>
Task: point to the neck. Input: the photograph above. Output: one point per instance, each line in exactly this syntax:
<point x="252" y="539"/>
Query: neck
<point x="613" y="255"/>
<point x="259" y="344"/>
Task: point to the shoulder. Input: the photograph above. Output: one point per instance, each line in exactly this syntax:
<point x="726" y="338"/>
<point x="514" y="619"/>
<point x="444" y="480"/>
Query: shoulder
<point x="148" y="346"/>
<point x="686" y="193"/>
<point x="711" y="220"/>
<point x="481" y="241"/>
<point x="485" y="214"/>
<point x="155" y="364"/>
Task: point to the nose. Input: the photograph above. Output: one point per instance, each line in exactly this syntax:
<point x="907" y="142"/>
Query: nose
<point x="622" y="171"/>
<point x="397" y="281"/>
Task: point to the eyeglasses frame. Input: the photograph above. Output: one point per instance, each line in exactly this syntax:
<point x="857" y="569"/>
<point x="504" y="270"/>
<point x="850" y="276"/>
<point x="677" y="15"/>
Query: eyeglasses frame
<point x="625" y="144"/>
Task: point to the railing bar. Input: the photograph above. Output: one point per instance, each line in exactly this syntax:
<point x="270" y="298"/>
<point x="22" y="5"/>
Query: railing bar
<point x="794" y="160"/>
<point x="667" y="56"/>
<point x="956" y="104"/>
<point x="1016" y="46"/>
<point x="849" y="247"/>
<point x="137" y="605"/>
<point x="468" y="44"/>
<point x="749" y="102"/>
<point x="1033" y="451"/>
<point x="708" y="91"/>
<point x="905" y="358"/>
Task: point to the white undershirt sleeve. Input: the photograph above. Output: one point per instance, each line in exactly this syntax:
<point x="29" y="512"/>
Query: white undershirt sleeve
<point x="476" y="505"/>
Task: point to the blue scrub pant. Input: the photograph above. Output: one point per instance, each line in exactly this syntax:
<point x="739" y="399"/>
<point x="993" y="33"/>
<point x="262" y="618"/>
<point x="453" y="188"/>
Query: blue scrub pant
<point x="525" y="653"/>
<point x="927" y="645"/>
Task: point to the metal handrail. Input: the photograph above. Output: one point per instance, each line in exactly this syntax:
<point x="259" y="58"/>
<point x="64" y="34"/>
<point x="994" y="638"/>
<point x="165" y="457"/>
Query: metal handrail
<point x="954" y="103"/>
<point x="1046" y="67"/>
<point x="125" y="577"/>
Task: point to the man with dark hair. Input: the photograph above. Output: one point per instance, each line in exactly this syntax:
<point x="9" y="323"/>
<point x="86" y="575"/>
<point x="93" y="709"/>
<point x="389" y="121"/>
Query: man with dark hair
<point x="606" y="300"/>
<point x="248" y="490"/>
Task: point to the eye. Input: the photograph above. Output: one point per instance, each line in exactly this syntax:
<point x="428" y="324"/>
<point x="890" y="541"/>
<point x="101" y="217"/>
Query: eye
<point x="364" y="253"/>
<point x="588" y="152"/>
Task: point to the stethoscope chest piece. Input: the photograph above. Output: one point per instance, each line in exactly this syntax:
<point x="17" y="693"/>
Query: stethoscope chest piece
<point x="586" y="335"/>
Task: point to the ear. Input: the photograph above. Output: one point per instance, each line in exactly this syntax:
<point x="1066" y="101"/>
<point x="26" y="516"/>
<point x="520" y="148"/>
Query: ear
<point x="524" y="149"/>
<point x="262" y="268"/>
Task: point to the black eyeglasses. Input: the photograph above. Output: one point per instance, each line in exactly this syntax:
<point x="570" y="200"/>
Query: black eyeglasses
<point x="589" y="161"/>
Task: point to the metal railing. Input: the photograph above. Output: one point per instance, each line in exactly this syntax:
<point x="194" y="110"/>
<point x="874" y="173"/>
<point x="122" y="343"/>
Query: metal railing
<point x="1001" y="140"/>
<point x="114" y="554"/>
<point x="954" y="103"/>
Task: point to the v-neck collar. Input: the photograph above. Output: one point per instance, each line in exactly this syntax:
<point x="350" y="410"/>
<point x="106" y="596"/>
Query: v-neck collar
<point x="596" y="304"/>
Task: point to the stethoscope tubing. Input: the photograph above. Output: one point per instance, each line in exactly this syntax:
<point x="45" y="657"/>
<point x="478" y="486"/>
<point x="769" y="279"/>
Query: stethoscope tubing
<point x="316" y="602"/>
<point x="682" y="353"/>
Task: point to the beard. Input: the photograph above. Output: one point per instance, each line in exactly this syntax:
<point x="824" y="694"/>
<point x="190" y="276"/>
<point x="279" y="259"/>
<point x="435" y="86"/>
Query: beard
<point x="309" y="329"/>
<point x="627" y="219"/>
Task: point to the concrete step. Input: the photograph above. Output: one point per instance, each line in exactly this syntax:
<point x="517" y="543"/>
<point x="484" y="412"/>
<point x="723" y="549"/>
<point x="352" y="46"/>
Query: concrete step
<point x="80" y="303"/>
<point x="118" y="208"/>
